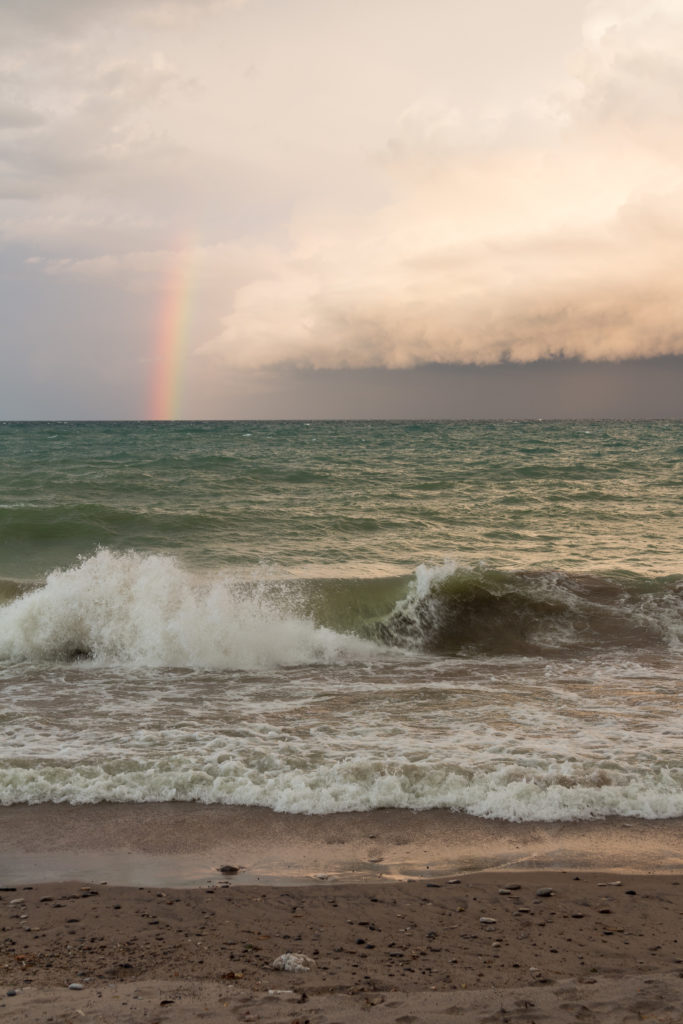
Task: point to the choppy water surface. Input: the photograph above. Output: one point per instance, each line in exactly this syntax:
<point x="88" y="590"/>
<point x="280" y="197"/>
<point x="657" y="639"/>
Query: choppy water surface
<point x="331" y="616"/>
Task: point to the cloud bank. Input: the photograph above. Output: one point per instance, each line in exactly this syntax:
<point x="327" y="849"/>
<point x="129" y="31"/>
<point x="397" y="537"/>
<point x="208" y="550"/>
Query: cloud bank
<point x="553" y="230"/>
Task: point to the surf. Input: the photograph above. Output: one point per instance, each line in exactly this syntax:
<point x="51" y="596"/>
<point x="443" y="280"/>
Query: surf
<point x="150" y="609"/>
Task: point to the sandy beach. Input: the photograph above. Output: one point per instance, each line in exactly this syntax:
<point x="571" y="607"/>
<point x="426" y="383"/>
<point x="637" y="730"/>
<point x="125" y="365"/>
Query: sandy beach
<point x="401" y="917"/>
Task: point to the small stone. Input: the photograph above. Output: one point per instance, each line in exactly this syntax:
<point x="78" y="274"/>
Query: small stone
<point x="228" y="869"/>
<point x="487" y="920"/>
<point x="504" y="892"/>
<point x="11" y="992"/>
<point x="512" y="886"/>
<point x="75" y="986"/>
<point x="293" y="962"/>
<point x="544" y="891"/>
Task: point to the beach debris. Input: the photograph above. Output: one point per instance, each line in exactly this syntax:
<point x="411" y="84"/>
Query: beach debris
<point x="228" y="869"/>
<point x="293" y="962"/>
<point x="545" y="891"/>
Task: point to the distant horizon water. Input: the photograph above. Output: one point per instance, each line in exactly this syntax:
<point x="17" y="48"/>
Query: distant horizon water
<point x="189" y="420"/>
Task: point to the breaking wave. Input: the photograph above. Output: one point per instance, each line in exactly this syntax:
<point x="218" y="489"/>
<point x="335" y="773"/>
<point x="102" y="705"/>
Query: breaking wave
<point x="451" y="609"/>
<point x="358" y="784"/>
<point x="148" y="610"/>
<point x="137" y="609"/>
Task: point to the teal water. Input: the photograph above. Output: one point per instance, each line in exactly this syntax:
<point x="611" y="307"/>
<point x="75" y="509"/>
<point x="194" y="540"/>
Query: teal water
<point x="342" y="615"/>
<point x="364" y="499"/>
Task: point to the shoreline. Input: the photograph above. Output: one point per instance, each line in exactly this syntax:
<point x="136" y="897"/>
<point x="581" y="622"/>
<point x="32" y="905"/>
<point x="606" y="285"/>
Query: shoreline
<point x="518" y="932"/>
<point x="184" y="845"/>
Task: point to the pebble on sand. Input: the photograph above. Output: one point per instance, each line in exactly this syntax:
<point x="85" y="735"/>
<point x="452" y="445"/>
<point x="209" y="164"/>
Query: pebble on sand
<point x="293" y="962"/>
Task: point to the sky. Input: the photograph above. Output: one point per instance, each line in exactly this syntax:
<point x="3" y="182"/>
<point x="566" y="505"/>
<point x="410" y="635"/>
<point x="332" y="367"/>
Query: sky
<point x="341" y="208"/>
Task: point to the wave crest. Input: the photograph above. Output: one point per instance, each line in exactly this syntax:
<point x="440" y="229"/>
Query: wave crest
<point x="149" y="610"/>
<point x="451" y="609"/>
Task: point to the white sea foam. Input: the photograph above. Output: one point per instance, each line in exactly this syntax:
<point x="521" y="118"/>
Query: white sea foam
<point x="356" y="785"/>
<point x="219" y="688"/>
<point x="148" y="610"/>
<point x="502" y="738"/>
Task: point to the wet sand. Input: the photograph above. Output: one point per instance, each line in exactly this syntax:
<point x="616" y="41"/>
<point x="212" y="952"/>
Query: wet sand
<point x="476" y="941"/>
<point x="183" y="844"/>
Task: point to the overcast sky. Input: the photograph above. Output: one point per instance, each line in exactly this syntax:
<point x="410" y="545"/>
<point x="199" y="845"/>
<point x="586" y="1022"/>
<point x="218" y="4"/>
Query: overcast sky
<point x="341" y="207"/>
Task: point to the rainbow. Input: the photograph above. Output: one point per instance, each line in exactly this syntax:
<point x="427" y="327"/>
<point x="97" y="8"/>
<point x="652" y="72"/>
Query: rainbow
<point x="171" y="342"/>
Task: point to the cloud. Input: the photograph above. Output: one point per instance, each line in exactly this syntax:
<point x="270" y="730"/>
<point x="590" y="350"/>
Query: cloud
<point x="429" y="203"/>
<point x="14" y="115"/>
<point x="49" y="17"/>
<point x="209" y="268"/>
<point x="552" y="229"/>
